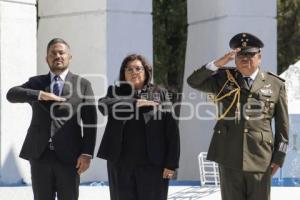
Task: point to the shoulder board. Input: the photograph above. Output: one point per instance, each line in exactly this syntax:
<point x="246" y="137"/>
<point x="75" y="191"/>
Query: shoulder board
<point x="270" y="73"/>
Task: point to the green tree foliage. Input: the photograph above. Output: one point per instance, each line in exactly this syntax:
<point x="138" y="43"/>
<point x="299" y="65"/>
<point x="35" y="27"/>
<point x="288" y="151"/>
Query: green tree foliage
<point x="170" y="35"/>
<point x="288" y="29"/>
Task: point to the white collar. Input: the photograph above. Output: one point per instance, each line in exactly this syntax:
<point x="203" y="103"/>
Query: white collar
<point x="62" y="75"/>
<point x="254" y="74"/>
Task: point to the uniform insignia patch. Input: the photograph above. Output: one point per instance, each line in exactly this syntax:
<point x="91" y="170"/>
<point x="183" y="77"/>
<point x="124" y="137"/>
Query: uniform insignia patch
<point x="283" y="147"/>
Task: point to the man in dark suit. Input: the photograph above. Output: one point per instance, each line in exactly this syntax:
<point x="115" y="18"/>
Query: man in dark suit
<point x="249" y="99"/>
<point x="61" y="137"/>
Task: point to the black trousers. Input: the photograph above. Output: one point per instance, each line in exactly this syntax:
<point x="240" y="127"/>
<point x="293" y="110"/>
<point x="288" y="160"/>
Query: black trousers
<point x="51" y="178"/>
<point x="139" y="182"/>
<point x="240" y="185"/>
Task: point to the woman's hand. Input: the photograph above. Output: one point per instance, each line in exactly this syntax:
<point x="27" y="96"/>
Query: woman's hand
<point x="168" y="174"/>
<point x="144" y="102"/>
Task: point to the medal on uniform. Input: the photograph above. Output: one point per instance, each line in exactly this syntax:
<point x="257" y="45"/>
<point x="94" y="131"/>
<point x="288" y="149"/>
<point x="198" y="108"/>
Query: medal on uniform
<point x="266" y="91"/>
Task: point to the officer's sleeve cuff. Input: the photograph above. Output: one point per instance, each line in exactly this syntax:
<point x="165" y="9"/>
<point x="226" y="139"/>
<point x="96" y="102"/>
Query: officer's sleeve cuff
<point x="211" y="66"/>
<point x="278" y="158"/>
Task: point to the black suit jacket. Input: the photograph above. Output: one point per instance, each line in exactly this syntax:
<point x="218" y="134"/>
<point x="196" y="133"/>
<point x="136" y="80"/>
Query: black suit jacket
<point x="74" y="120"/>
<point x="162" y="134"/>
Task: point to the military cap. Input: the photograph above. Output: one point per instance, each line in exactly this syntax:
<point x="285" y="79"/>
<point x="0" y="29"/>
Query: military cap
<point x="247" y="42"/>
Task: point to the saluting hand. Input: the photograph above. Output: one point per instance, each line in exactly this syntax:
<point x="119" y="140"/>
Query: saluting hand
<point x="47" y="96"/>
<point x="144" y="102"/>
<point x="83" y="163"/>
<point x="226" y="58"/>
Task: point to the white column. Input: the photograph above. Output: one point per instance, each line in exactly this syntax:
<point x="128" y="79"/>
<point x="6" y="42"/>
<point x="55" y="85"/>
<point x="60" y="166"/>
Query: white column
<point x="17" y="64"/>
<point x="212" y="23"/>
<point x="129" y="30"/>
<point x="101" y="34"/>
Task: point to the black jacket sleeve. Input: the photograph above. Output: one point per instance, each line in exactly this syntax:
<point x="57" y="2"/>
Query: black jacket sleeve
<point x="116" y="101"/>
<point x="203" y="80"/>
<point x="89" y="120"/>
<point x="23" y="93"/>
<point x="171" y="134"/>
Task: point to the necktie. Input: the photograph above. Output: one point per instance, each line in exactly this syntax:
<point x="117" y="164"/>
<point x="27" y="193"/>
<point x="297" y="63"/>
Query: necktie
<point x="56" y="86"/>
<point x="249" y="81"/>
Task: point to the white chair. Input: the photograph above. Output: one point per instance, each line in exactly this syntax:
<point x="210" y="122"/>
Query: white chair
<point x="209" y="171"/>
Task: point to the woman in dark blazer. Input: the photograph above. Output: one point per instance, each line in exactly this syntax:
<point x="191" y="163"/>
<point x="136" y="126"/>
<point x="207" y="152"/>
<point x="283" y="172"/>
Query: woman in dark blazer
<point x="141" y="138"/>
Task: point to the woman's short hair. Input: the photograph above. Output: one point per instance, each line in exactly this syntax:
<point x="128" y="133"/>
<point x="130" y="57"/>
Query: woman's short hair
<point x="142" y="59"/>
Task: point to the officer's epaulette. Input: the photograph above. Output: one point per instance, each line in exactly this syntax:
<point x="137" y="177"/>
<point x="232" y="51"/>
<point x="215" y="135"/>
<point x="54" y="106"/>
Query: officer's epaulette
<point x="276" y="76"/>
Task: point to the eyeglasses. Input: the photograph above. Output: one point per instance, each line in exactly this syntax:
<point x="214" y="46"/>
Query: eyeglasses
<point x="248" y="55"/>
<point x="131" y="70"/>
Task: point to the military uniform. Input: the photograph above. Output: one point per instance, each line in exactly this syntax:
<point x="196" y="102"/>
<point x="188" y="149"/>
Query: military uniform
<point x="243" y="142"/>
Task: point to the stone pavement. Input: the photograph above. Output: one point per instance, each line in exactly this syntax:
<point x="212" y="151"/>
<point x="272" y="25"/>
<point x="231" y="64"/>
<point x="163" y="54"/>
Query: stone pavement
<point x="175" y="193"/>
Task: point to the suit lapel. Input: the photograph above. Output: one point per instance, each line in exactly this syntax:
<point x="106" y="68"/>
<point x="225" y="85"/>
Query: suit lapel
<point x="258" y="82"/>
<point x="242" y="83"/>
<point x="47" y="83"/>
<point x="66" y="90"/>
<point x="245" y="84"/>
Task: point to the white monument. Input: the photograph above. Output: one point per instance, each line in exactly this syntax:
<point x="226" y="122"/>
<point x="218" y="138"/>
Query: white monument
<point x="17" y="63"/>
<point x="291" y="169"/>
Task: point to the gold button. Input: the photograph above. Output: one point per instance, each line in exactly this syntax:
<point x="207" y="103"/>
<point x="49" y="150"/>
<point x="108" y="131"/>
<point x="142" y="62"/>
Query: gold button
<point x="246" y="130"/>
<point x="219" y="132"/>
<point x="247" y="118"/>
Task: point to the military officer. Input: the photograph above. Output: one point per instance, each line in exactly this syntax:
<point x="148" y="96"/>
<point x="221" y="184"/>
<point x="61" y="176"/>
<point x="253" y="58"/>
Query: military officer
<point x="248" y="99"/>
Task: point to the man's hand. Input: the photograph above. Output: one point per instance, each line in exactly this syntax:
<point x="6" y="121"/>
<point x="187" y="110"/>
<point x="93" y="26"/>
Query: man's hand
<point x="83" y="163"/>
<point x="226" y="58"/>
<point x="47" y="96"/>
<point x="168" y="174"/>
<point x="144" y="102"/>
<point x="274" y="168"/>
